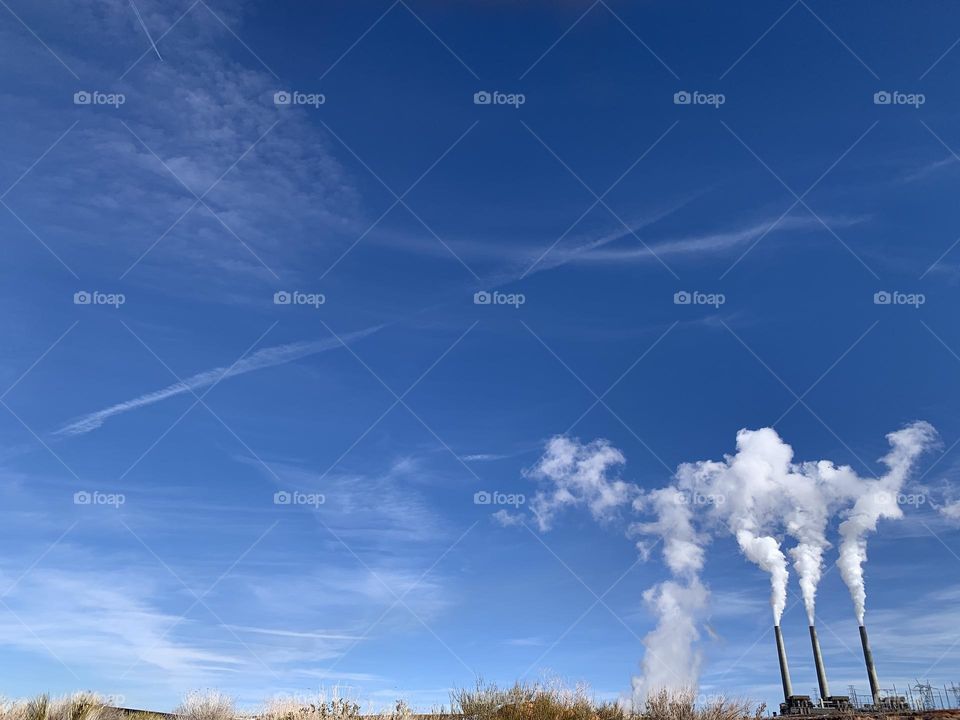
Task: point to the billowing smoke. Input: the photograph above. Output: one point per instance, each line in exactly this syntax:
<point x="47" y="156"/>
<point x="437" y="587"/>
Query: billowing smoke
<point x="573" y="474"/>
<point x="672" y="659"/>
<point x="745" y="494"/>
<point x="811" y="493"/>
<point x="758" y="496"/>
<point x="682" y="543"/>
<point x="765" y="552"/>
<point x="878" y="500"/>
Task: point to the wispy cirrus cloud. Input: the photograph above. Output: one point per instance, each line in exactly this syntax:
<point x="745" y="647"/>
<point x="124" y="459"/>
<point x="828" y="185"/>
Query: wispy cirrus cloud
<point x="692" y="244"/>
<point x="620" y="245"/>
<point x="197" y="124"/>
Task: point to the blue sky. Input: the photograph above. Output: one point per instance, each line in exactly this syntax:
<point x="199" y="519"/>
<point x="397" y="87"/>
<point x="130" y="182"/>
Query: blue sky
<point x="588" y="207"/>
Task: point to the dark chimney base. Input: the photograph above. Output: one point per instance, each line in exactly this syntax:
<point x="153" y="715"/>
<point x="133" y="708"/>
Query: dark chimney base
<point x="818" y="661"/>
<point x="784" y="669"/>
<point x="871" y="668"/>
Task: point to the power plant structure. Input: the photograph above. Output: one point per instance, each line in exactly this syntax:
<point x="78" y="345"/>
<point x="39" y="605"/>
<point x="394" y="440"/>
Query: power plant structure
<point x="890" y="702"/>
<point x="832" y="704"/>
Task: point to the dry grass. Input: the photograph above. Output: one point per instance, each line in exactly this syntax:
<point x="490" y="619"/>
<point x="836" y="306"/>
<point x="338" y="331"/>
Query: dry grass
<point x="206" y="705"/>
<point x="291" y="708"/>
<point x="337" y="708"/>
<point x="536" y="701"/>
<point x="555" y="702"/>
<point x="79" y="706"/>
<point x="683" y="705"/>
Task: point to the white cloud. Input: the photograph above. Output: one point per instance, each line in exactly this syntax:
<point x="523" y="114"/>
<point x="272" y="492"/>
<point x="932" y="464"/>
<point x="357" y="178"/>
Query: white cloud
<point x="382" y="509"/>
<point x="951" y="510"/>
<point x="101" y="612"/>
<point x="573" y="474"/>
<point x="107" y="620"/>
<point x="930" y="168"/>
<point x="507" y="518"/>
<point x="616" y="247"/>
<point x="201" y="111"/>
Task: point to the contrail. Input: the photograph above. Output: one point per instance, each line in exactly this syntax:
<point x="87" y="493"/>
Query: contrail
<point x="267" y="357"/>
<point x="143" y="25"/>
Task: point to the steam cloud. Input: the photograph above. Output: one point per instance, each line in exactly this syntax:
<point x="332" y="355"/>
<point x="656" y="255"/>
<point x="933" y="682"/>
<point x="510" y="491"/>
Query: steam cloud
<point x="574" y="474"/>
<point x="759" y="496"/>
<point x="879" y="502"/>
<point x="672" y="659"/>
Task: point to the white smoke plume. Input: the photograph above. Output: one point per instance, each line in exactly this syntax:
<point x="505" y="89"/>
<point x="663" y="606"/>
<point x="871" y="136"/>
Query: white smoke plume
<point x="672" y="659"/>
<point x="574" y="474"/>
<point x="745" y="493"/>
<point x="764" y="551"/>
<point x="879" y="500"/>
<point x="811" y="493"/>
<point x="682" y="544"/>
<point x="758" y="496"/>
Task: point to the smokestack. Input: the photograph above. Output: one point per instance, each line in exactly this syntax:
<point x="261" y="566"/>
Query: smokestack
<point x="784" y="670"/>
<point x="871" y="669"/>
<point x="818" y="660"/>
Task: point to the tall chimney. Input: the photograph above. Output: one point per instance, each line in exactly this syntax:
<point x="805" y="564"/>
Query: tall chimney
<point x="871" y="669"/>
<point x="784" y="670"/>
<point x="818" y="660"/>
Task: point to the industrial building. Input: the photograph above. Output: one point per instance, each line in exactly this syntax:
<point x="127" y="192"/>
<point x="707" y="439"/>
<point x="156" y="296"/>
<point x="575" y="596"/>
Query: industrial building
<point x="828" y="704"/>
